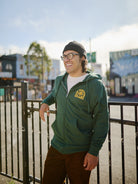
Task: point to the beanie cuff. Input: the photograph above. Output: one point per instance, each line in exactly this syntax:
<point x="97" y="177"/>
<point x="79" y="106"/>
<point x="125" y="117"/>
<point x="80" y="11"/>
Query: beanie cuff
<point x="75" y="46"/>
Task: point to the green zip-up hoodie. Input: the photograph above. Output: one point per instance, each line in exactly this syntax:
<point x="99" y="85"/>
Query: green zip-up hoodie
<point x="81" y="122"/>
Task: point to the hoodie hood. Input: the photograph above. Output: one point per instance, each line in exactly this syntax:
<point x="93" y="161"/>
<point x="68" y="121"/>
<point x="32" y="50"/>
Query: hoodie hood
<point x="90" y="76"/>
<point x="93" y="76"/>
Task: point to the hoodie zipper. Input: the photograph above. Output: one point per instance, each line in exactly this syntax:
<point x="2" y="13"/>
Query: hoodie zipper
<point x="79" y="83"/>
<point x="64" y="88"/>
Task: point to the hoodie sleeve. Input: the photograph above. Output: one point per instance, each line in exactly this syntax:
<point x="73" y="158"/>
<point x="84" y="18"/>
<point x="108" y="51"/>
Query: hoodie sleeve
<point x="100" y="117"/>
<point x="51" y="98"/>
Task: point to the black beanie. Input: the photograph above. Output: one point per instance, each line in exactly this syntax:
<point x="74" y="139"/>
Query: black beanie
<point x="76" y="47"/>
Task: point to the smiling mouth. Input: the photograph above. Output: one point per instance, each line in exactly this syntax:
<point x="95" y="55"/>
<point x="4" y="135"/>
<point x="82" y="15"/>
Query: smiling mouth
<point x="68" y="65"/>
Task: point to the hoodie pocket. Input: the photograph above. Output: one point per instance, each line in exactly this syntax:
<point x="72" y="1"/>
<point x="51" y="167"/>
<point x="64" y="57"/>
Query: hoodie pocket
<point x="74" y="135"/>
<point x="54" y="126"/>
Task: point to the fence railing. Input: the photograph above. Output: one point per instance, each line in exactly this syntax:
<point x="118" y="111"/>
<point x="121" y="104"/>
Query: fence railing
<point x="25" y="139"/>
<point x="123" y="119"/>
<point x="127" y="117"/>
<point x="11" y="132"/>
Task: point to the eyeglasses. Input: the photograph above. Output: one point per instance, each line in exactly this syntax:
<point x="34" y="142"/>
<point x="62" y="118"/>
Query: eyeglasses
<point x="68" y="56"/>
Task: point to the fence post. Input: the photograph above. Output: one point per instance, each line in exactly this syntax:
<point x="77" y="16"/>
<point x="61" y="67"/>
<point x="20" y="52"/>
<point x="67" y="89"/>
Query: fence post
<point x="136" y="130"/>
<point x="25" y="134"/>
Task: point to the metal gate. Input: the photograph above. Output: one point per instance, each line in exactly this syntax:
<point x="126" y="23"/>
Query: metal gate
<point x="11" y="129"/>
<point x="25" y="139"/>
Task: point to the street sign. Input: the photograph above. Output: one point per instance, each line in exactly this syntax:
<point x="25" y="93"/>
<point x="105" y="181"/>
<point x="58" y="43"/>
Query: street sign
<point x="91" y="57"/>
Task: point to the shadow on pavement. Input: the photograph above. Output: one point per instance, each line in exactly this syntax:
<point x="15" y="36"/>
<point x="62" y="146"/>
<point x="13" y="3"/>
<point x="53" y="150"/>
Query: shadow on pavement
<point x="123" y="99"/>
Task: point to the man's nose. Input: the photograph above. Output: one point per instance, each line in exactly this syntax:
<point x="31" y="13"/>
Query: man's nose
<point x="66" y="59"/>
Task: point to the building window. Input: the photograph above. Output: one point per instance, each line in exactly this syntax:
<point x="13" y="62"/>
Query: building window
<point x="126" y="80"/>
<point x="21" y="70"/>
<point x="21" y="67"/>
<point x="133" y="79"/>
<point x="0" y="67"/>
<point x="8" y="67"/>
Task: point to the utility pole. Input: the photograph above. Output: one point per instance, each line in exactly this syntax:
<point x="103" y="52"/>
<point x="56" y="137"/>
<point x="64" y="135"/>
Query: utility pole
<point x="90" y="45"/>
<point x="90" y="53"/>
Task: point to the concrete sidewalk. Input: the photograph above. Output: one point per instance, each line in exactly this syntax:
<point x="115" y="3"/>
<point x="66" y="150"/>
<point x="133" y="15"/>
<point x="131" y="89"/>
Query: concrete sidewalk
<point x="5" y="180"/>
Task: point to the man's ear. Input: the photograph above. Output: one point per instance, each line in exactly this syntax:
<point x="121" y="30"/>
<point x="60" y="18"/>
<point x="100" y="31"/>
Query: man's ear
<point x="82" y="58"/>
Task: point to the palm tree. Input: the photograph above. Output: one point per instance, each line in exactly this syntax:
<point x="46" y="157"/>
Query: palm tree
<point x="37" y="61"/>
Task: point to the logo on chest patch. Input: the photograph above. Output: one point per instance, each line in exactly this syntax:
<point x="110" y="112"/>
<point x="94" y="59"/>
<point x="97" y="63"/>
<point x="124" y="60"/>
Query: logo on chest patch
<point x="80" y="93"/>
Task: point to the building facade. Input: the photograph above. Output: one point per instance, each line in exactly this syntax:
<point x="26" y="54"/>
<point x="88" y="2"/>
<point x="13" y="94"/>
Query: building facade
<point x="13" y="69"/>
<point x="124" y="72"/>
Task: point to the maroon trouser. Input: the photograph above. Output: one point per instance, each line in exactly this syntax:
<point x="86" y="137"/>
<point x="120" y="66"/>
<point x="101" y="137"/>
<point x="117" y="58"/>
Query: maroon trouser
<point x="58" y="165"/>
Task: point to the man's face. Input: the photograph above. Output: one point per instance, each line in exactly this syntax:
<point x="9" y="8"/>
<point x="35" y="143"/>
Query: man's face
<point x="73" y="66"/>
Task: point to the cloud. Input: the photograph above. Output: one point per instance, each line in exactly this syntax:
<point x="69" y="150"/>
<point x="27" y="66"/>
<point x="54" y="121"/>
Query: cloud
<point x="23" y="22"/>
<point x="53" y="49"/>
<point x="123" y="38"/>
<point x="12" y="49"/>
<point x="120" y="39"/>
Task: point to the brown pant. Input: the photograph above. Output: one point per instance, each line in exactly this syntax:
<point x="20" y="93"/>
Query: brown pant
<point x="58" y="165"/>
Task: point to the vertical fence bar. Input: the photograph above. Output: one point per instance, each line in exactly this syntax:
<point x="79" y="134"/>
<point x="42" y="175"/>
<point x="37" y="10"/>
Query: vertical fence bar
<point x="122" y="146"/>
<point x="48" y="138"/>
<point x="25" y="134"/>
<point x="5" y="115"/>
<point x="98" y="172"/>
<point x="109" y="148"/>
<point x="33" y="143"/>
<point x="136" y="131"/>
<point x="0" y="140"/>
<point x="40" y="146"/>
<point x="17" y="122"/>
<point x="11" y="131"/>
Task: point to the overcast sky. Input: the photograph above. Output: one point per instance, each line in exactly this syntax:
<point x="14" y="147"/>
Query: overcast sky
<point x="111" y="25"/>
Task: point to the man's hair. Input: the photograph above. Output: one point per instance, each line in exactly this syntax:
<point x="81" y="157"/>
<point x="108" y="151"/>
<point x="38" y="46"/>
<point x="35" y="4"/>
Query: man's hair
<point x="84" y="64"/>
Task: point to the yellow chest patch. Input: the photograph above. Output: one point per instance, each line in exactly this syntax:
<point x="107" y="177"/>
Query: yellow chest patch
<point x="80" y="93"/>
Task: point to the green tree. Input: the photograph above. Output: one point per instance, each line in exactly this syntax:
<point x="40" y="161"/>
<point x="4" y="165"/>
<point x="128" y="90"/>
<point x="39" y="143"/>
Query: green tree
<point x="37" y="61"/>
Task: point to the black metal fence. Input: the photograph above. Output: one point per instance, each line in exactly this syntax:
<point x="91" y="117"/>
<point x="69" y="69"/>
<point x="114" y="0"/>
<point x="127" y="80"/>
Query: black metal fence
<point x="127" y="119"/>
<point x="11" y="132"/>
<point x="25" y="139"/>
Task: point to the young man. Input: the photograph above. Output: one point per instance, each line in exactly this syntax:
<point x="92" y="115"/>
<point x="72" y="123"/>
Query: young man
<point x="81" y="123"/>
